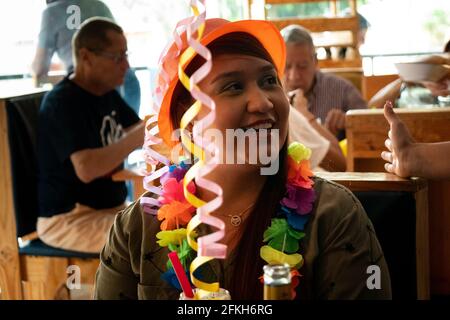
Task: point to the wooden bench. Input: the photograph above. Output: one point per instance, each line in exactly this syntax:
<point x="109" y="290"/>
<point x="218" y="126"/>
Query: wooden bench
<point x="366" y="131"/>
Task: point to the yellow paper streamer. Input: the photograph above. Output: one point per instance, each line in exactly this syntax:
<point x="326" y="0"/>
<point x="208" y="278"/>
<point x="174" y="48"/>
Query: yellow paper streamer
<point x="199" y="153"/>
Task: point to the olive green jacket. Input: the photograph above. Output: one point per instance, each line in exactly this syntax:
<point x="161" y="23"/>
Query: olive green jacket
<point x="339" y="247"/>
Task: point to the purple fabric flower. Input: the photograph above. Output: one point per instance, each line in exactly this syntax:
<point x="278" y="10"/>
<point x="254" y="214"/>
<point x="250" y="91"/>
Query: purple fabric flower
<point x="178" y="173"/>
<point x="174" y="172"/>
<point x="299" y="199"/>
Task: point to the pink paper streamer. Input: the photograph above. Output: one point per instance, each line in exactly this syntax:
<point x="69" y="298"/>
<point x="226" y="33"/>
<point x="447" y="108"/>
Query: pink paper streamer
<point x="149" y="204"/>
<point x="207" y="245"/>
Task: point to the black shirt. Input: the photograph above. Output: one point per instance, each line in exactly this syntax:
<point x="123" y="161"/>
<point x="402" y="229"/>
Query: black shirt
<point x="72" y="119"/>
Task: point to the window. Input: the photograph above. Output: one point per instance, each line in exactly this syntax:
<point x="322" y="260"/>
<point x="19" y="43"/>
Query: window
<point x="397" y="27"/>
<point x="19" y="28"/>
<point x="399" y="30"/>
<point x="403" y="28"/>
<point x="149" y="25"/>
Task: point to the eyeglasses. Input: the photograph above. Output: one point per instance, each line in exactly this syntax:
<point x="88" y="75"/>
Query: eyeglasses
<point x="116" y="57"/>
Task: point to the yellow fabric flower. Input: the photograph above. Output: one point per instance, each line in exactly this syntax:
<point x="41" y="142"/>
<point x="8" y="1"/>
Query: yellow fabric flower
<point x="272" y="256"/>
<point x="343" y="145"/>
<point x="299" y="152"/>
<point x="174" y="237"/>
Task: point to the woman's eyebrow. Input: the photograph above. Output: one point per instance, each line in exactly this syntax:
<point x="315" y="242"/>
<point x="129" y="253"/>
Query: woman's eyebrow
<point x="233" y="74"/>
<point x="268" y="67"/>
<point x="226" y="75"/>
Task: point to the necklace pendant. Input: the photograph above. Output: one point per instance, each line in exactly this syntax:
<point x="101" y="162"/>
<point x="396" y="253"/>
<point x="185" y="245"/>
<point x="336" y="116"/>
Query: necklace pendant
<point x="236" y="220"/>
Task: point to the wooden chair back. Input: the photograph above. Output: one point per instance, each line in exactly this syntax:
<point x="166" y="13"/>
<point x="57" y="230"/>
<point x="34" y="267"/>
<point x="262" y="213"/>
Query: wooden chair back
<point x="29" y="269"/>
<point x="325" y="24"/>
<point x="372" y="84"/>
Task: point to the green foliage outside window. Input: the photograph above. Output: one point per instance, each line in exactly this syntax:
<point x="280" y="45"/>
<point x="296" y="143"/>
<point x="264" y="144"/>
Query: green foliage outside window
<point x="303" y="10"/>
<point x="438" y="25"/>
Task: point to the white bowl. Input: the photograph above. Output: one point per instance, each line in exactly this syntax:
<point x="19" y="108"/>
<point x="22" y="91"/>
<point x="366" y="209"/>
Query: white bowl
<point x="420" y="71"/>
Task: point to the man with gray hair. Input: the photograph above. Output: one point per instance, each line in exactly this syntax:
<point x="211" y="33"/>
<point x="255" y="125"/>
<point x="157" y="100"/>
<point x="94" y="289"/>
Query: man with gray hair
<point x="329" y="96"/>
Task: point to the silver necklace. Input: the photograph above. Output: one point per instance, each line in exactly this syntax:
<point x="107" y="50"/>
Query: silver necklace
<point x="235" y="219"/>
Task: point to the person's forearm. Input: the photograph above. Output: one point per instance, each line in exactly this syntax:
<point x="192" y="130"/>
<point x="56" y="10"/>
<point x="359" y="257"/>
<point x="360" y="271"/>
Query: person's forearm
<point x="334" y="159"/>
<point x="94" y="163"/>
<point x="39" y="76"/>
<point x="38" y="71"/>
<point x="430" y="160"/>
<point x="391" y="92"/>
<point x="41" y="63"/>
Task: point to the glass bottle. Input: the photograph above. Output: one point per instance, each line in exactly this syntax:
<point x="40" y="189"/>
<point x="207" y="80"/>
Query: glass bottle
<point x="277" y="282"/>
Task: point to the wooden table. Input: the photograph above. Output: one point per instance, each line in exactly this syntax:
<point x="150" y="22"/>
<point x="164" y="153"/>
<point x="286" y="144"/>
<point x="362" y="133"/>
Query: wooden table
<point x="136" y="176"/>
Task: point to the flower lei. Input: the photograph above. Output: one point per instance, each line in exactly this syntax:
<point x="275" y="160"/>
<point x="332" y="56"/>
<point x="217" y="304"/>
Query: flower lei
<point x="287" y="228"/>
<point x="282" y="236"/>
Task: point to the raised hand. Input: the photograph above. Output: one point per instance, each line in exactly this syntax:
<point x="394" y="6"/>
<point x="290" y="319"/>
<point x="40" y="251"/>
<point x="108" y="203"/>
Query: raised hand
<point x="399" y="143"/>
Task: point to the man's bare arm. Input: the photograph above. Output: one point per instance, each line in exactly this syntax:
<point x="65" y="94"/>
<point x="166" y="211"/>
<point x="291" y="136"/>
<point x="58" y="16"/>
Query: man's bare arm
<point x="41" y="63"/>
<point x="91" y="164"/>
<point x="390" y="92"/>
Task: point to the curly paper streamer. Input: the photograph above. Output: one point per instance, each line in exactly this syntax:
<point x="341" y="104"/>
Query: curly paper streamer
<point x="207" y="247"/>
<point x="151" y="205"/>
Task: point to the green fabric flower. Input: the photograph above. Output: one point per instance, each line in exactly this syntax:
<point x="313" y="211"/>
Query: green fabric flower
<point x="282" y="237"/>
<point x="184" y="253"/>
<point x="299" y="152"/>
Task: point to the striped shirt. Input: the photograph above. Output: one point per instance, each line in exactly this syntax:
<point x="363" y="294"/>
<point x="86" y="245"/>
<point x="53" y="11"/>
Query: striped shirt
<point x="332" y="92"/>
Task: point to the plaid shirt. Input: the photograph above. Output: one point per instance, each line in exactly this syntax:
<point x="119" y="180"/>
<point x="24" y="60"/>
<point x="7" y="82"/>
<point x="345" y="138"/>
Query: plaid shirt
<point x="332" y="92"/>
